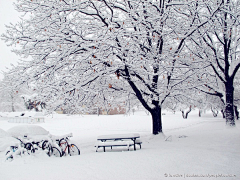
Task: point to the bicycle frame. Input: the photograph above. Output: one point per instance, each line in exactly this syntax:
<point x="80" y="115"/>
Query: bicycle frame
<point x="66" y="144"/>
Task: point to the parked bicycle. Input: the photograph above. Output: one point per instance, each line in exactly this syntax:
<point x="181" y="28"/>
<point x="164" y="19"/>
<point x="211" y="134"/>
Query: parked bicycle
<point x="51" y="149"/>
<point x="66" y="146"/>
<point x="22" y="148"/>
<point x="53" y="146"/>
<point x="46" y="144"/>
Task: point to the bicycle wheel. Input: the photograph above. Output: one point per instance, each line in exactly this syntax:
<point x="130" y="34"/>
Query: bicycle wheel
<point x="63" y="144"/>
<point x="30" y="148"/>
<point x="74" y="150"/>
<point x="45" y="145"/>
<point x="56" y="152"/>
<point x="47" y="148"/>
<point x="11" y="151"/>
<point x="9" y="156"/>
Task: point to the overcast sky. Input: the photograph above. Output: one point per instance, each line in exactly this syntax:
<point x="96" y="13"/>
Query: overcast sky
<point x="7" y="15"/>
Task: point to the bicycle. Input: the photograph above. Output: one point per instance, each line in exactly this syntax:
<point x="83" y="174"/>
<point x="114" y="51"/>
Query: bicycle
<point x="50" y="149"/>
<point x="19" y="149"/>
<point x="47" y="145"/>
<point x="12" y="151"/>
<point x="67" y="148"/>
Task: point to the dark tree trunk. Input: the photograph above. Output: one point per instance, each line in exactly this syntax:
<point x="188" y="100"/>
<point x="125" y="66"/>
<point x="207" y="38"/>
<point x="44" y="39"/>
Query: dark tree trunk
<point x="236" y="112"/>
<point x="223" y="114"/>
<point x="200" y="113"/>
<point x="185" y="116"/>
<point x="156" y="111"/>
<point x="156" y="120"/>
<point x="229" y="103"/>
<point x="215" y="112"/>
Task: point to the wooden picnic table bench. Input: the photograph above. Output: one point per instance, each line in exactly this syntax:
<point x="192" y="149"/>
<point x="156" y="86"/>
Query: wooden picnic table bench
<point x="118" y="140"/>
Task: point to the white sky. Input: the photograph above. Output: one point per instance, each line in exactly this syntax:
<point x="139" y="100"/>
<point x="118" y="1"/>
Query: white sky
<point x="7" y="15"/>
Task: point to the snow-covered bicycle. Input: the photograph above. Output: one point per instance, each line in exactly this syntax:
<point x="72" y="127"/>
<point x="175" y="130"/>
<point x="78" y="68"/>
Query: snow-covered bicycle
<point x="51" y="148"/>
<point x="65" y="145"/>
<point x="35" y="139"/>
<point x="19" y="149"/>
<point x="48" y="146"/>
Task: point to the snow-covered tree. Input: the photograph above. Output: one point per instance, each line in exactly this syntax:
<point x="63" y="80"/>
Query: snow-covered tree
<point x="10" y="96"/>
<point x="237" y="95"/>
<point x="219" y="47"/>
<point x="84" y="50"/>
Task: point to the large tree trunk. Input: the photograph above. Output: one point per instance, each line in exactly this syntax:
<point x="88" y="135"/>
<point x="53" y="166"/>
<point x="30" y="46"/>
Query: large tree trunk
<point x="156" y="120"/>
<point x="156" y="111"/>
<point x="229" y="104"/>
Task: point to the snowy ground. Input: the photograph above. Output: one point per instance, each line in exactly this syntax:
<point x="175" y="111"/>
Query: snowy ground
<point x="198" y="148"/>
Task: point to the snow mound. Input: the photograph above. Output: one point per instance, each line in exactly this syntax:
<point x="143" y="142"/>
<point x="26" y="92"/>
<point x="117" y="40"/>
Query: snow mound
<point x="3" y="133"/>
<point x="23" y="130"/>
<point x="6" y="142"/>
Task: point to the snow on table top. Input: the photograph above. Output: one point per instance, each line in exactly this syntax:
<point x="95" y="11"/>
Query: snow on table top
<point x="22" y="130"/>
<point x="114" y="143"/>
<point x="118" y="136"/>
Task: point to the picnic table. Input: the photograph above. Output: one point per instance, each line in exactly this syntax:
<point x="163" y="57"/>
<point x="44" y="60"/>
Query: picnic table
<point x="118" y="140"/>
